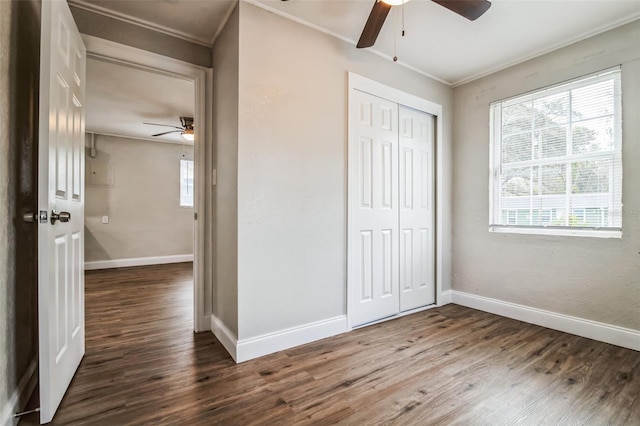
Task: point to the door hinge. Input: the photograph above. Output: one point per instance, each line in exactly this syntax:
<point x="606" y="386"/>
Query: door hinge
<point x="195" y="216"/>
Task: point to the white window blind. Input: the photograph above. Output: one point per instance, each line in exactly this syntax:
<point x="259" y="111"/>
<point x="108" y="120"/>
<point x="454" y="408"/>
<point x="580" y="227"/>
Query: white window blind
<point x="186" y="183"/>
<point x="556" y="158"/>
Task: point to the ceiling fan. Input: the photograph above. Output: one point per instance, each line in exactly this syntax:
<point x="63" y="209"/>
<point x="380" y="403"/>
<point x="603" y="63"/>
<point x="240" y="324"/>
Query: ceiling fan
<point x="186" y="130"/>
<point x="470" y="9"/>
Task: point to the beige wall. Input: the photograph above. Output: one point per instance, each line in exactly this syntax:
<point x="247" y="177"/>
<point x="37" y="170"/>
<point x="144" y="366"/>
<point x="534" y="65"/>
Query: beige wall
<point x="19" y="82"/>
<point x="145" y="217"/>
<point x="225" y="129"/>
<point x="292" y="171"/>
<point x="592" y="278"/>
<point x="108" y="28"/>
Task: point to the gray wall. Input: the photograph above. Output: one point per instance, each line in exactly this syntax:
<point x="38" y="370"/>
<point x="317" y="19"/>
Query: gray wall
<point x="145" y="217"/>
<point x="101" y="26"/>
<point x="19" y="82"/>
<point x="292" y="171"/>
<point x="592" y="278"/>
<point x="225" y="129"/>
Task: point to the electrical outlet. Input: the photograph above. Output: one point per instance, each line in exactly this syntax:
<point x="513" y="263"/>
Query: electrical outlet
<point x="105" y="219"/>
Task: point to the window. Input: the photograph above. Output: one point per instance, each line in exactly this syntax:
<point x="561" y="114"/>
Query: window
<point x="186" y="183"/>
<point x="556" y="159"/>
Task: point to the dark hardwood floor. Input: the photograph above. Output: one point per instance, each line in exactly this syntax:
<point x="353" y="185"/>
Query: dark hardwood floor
<point x="449" y="365"/>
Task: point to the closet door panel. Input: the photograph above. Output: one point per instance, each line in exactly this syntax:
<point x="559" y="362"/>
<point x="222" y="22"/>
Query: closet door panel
<point x="416" y="215"/>
<point x="373" y="251"/>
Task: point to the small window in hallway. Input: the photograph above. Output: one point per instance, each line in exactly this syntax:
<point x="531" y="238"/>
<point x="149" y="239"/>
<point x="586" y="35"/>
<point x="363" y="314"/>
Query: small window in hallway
<point x="186" y="183"/>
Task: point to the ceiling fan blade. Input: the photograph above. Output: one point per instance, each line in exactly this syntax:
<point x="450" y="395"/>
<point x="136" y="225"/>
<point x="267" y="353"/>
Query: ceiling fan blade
<point x="164" y="125"/>
<point x="166" y="133"/>
<point x="470" y="9"/>
<point x="374" y="24"/>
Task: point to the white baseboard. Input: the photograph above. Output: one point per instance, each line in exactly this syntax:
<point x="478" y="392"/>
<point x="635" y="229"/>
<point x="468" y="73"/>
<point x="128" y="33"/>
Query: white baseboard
<point x="602" y="332"/>
<point x="273" y="342"/>
<point x="20" y="396"/>
<point x="225" y="336"/>
<point x="445" y="297"/>
<point x="137" y="261"/>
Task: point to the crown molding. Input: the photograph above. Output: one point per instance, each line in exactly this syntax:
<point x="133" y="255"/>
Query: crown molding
<point x="139" y="138"/>
<point x="549" y="49"/>
<point x="223" y="24"/>
<point x="81" y="4"/>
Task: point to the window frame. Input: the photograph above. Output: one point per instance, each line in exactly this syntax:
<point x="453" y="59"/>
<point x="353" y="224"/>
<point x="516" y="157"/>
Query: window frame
<point x="496" y="171"/>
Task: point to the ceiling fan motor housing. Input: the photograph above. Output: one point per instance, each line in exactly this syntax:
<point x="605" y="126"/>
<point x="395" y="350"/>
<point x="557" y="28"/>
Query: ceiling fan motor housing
<point x="187" y="122"/>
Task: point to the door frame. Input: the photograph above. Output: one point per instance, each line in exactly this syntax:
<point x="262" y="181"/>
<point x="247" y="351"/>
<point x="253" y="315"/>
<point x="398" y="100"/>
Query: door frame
<point x="110" y="51"/>
<point x="372" y="87"/>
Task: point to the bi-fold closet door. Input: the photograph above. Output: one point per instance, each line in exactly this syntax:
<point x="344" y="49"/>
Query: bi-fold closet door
<point x="391" y="237"/>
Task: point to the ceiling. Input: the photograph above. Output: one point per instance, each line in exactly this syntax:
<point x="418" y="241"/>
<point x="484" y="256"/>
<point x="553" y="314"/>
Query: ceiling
<point x="119" y="99"/>
<point x="438" y="43"/>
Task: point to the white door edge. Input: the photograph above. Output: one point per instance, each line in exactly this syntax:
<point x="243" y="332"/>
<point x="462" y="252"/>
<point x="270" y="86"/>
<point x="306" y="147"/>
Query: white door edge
<point x="372" y="87"/>
<point x="202" y="78"/>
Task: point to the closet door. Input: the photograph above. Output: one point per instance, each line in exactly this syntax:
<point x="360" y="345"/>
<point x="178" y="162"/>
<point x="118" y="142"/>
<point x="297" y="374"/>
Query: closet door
<point x="417" y="250"/>
<point x="373" y="239"/>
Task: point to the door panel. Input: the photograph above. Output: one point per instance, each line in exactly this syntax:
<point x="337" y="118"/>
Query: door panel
<point x="60" y="189"/>
<point x="373" y="260"/>
<point x="417" y="250"/>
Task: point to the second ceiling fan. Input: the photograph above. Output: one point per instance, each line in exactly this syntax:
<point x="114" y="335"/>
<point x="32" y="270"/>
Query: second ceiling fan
<point x="470" y="9"/>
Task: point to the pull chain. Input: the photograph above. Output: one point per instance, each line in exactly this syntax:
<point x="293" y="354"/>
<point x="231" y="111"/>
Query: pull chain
<point x="395" y="35"/>
<point x="402" y="19"/>
<point x="395" y="32"/>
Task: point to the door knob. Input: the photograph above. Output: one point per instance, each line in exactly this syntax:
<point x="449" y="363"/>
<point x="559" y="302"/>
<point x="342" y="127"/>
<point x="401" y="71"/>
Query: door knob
<point x="62" y="217"/>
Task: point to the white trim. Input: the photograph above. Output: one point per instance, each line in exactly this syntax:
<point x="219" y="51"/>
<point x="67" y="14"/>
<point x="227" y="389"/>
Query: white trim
<point x="200" y="76"/>
<point x="392" y="94"/>
<point x="137" y="261"/>
<point x="602" y="332"/>
<point x="133" y="57"/>
<point x="20" y="396"/>
<point x="445" y="297"/>
<point x="358" y="82"/>
<point x="225" y="336"/>
<point x="265" y="344"/>
<point x="548" y="49"/>
<point x="341" y="37"/>
<point x="123" y="17"/>
<point x="595" y="233"/>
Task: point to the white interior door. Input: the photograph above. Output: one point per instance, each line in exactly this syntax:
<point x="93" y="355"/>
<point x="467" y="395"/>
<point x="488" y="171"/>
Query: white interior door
<point x="417" y="250"/>
<point x="60" y="192"/>
<point x="373" y="243"/>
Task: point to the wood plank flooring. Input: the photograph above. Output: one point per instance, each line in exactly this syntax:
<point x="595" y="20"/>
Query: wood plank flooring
<point x="445" y="366"/>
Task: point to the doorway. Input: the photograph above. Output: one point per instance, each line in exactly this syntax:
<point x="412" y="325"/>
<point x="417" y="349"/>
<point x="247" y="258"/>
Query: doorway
<point x="139" y="185"/>
<point x="141" y="179"/>
<point x="198" y="77"/>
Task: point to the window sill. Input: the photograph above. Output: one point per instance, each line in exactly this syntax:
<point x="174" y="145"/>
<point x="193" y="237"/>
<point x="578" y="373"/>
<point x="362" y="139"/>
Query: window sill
<point x="600" y="233"/>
